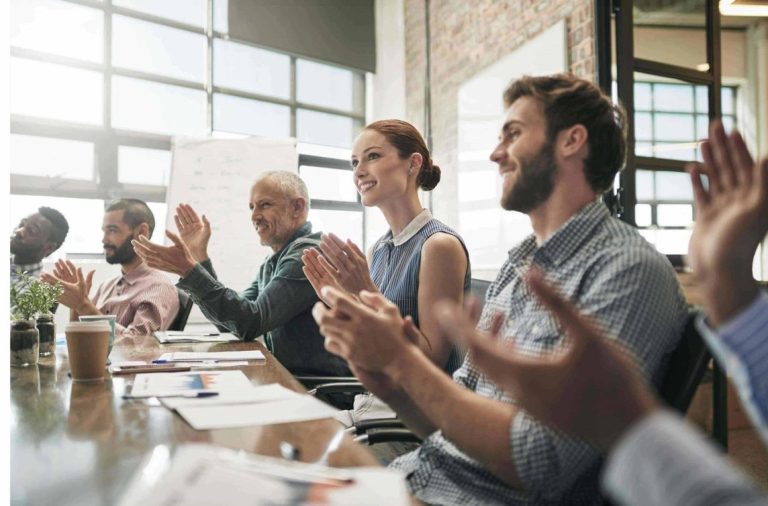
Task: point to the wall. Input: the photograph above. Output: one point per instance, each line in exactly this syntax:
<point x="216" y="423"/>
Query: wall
<point x="466" y="38"/>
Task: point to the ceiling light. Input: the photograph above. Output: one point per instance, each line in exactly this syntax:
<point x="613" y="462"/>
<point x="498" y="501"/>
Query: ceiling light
<point x="731" y="8"/>
<point x="702" y="67"/>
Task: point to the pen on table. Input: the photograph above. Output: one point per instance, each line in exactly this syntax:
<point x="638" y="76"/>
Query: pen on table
<point x="187" y="395"/>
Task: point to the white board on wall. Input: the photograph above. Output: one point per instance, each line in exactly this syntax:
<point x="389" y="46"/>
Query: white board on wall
<point x="215" y="176"/>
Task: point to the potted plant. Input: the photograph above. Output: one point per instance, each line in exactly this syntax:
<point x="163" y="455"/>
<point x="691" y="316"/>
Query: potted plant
<point x="31" y="298"/>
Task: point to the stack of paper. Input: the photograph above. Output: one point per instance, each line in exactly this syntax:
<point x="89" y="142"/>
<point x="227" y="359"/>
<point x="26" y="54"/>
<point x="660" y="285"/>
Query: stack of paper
<point x="181" y="336"/>
<point x="203" y="475"/>
<point x="217" y="356"/>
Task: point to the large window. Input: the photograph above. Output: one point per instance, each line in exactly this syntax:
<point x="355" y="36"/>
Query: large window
<point x="99" y="87"/>
<point x="670" y="122"/>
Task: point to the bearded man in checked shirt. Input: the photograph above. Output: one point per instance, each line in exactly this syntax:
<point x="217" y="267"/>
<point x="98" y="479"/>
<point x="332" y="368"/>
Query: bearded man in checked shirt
<point x="561" y="145"/>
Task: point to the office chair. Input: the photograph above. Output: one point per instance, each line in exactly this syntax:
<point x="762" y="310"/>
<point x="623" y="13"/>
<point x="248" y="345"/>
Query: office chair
<point x="185" y="307"/>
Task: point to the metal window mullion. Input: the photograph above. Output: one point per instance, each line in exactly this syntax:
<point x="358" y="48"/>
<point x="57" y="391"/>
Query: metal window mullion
<point x="106" y="146"/>
<point x="31" y="54"/>
<point x="292" y="98"/>
<point x="209" y="63"/>
<point x="335" y="205"/>
<point x="151" y="18"/>
<point x="624" y="81"/>
<point x="156" y="78"/>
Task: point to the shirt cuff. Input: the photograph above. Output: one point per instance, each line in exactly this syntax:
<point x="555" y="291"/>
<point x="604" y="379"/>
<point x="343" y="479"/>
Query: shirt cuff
<point x="755" y="315"/>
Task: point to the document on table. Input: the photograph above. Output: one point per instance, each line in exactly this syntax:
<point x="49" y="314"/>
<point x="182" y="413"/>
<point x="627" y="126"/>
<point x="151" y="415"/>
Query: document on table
<point x="180" y="383"/>
<point x="180" y="336"/>
<point x="297" y="409"/>
<point x="252" y="395"/>
<point x="218" y="356"/>
<point x="199" y="475"/>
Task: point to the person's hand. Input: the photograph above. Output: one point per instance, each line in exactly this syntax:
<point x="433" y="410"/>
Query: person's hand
<point x="316" y="274"/>
<point x="346" y="264"/>
<point x="367" y="333"/>
<point x="591" y="389"/>
<point x="175" y="258"/>
<point x="76" y="288"/>
<point x="378" y="383"/>
<point x="731" y="221"/>
<point x="65" y="270"/>
<point x="195" y="232"/>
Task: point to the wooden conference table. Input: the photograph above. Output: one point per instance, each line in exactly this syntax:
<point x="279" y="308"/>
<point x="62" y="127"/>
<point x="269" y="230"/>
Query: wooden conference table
<point x="81" y="443"/>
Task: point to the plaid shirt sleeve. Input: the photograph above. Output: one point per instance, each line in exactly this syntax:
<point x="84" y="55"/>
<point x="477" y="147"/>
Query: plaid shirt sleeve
<point x="621" y="290"/>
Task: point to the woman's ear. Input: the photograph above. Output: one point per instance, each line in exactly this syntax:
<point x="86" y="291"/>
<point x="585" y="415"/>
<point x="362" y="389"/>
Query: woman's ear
<point x="416" y="161"/>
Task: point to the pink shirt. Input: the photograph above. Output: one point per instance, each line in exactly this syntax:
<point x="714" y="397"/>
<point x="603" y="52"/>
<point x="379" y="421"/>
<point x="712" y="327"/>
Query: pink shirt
<point x="144" y="300"/>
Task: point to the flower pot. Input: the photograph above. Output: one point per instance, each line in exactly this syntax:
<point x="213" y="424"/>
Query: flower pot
<point x="47" y="330"/>
<point x="25" y="343"/>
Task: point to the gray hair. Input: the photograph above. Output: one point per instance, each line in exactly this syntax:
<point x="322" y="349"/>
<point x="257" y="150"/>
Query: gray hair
<point x="290" y="184"/>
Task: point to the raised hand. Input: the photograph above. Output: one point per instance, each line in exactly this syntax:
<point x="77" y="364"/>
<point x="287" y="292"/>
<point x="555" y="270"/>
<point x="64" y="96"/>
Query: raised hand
<point x="194" y="231"/>
<point x="731" y="221"/>
<point x="65" y="271"/>
<point x="175" y="258"/>
<point x="566" y="389"/>
<point x="317" y="275"/>
<point x="346" y="264"/>
<point x="76" y="288"/>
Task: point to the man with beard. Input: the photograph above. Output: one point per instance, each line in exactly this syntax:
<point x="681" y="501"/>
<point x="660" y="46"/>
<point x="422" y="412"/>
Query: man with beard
<point x="561" y="146"/>
<point x="37" y="236"/>
<point x="142" y="298"/>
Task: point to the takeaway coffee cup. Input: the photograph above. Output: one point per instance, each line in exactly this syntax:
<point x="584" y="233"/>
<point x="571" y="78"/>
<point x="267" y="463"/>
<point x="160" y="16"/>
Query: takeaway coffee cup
<point x="107" y="318"/>
<point x="87" y="344"/>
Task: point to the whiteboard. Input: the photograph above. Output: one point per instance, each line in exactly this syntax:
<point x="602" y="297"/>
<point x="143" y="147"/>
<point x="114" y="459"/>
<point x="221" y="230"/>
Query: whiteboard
<point x="215" y="177"/>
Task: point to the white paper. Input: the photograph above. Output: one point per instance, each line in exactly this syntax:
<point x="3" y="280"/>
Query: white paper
<point x="198" y="475"/>
<point x="169" y="336"/>
<point x="161" y="384"/>
<point x="251" y="395"/>
<point x="187" y="356"/>
<point x="304" y="407"/>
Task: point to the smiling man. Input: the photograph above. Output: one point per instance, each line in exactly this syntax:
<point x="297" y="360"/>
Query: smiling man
<point x="142" y="298"/>
<point x="560" y="147"/>
<point x="279" y="302"/>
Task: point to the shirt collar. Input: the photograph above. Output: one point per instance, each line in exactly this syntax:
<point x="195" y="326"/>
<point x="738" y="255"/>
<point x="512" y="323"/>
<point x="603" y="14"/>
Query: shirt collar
<point x="302" y="231"/>
<point x="26" y="267"/>
<point x="416" y="224"/>
<point x="137" y="273"/>
<point x="564" y="243"/>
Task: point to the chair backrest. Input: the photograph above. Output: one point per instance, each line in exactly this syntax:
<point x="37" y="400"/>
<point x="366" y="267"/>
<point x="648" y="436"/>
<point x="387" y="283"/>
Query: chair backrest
<point x="687" y="366"/>
<point x="185" y="307"/>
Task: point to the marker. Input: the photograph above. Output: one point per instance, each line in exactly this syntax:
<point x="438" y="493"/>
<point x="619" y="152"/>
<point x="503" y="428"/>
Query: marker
<point x="199" y="393"/>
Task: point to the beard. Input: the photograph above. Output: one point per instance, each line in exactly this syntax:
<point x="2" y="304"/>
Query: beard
<point x="534" y="184"/>
<point x="123" y="253"/>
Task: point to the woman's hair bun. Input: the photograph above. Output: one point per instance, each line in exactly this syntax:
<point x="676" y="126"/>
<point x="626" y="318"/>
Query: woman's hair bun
<point x="429" y="176"/>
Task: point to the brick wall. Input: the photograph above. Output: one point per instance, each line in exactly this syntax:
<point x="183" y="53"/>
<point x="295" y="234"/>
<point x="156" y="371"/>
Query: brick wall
<point x="467" y="36"/>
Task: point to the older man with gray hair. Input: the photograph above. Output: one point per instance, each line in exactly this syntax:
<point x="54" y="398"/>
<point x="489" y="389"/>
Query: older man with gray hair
<point x="279" y="302"/>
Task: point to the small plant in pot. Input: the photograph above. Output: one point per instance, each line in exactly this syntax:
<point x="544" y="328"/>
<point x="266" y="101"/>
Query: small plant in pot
<point x="32" y="298"/>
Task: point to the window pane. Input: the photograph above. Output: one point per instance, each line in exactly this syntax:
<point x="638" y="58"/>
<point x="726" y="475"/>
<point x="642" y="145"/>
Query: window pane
<point x="251" y="69"/>
<point x="643" y="149"/>
<point x="643" y="215"/>
<point x="153" y="107"/>
<point x="221" y="15"/>
<point x="84" y="217"/>
<point x="728" y="123"/>
<point x="702" y="99"/>
<point x="143" y="165"/>
<point x="675" y="151"/>
<point x="163" y="50"/>
<point x="44" y="156"/>
<point x="673" y="97"/>
<point x="329" y="184"/>
<point x="56" y="27"/>
<point x="478" y="185"/>
<point x="643" y="130"/>
<point x="191" y="12"/>
<point x="345" y="224"/>
<point x="241" y="115"/>
<point x="53" y="91"/>
<point x="674" y="215"/>
<point x="643" y="97"/>
<point x="644" y="184"/>
<point x="674" y="127"/>
<point x="702" y="127"/>
<point x="328" y="129"/>
<point x="727" y="105"/>
<point x="673" y="186"/>
<point x="324" y="85"/>
<point x="673" y="242"/>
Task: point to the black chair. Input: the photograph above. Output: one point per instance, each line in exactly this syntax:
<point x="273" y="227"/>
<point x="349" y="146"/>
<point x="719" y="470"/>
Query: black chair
<point x="478" y="288"/>
<point x="686" y="368"/>
<point x="185" y="307"/>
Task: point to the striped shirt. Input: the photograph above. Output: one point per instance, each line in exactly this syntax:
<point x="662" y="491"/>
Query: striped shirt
<point x="144" y="300"/>
<point x="618" y="279"/>
<point x="663" y="460"/>
<point x="395" y="264"/>
<point x="741" y="347"/>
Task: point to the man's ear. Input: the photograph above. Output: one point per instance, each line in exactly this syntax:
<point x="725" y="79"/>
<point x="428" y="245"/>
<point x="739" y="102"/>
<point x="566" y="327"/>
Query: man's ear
<point x="142" y="229"/>
<point x="573" y="140"/>
<point x="298" y="206"/>
<point x="48" y="248"/>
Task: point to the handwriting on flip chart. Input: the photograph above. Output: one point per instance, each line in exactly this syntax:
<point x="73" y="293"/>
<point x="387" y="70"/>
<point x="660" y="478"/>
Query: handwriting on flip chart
<point x="215" y="177"/>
